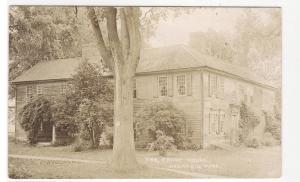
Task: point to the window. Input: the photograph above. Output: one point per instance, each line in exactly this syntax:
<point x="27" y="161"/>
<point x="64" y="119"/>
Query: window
<point x="63" y="88"/>
<point x="181" y="85"/>
<point x="220" y="87"/>
<point x="221" y="122"/>
<point x="134" y="88"/>
<point x="39" y="90"/>
<point x="213" y="122"/>
<point x="29" y="92"/>
<point x="212" y="85"/>
<point x="163" y="86"/>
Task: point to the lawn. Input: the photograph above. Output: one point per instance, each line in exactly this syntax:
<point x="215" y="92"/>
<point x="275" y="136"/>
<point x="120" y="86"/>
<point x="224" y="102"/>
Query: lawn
<point x="242" y="162"/>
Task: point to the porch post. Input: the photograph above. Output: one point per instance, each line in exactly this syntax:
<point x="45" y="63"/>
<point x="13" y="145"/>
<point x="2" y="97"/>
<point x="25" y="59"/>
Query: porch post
<point x="53" y="134"/>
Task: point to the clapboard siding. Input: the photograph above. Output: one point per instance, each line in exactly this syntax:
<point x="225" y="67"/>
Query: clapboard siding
<point x="190" y="104"/>
<point x="235" y="91"/>
<point x="49" y="89"/>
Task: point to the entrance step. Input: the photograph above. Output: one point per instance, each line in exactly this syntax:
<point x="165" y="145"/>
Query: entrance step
<point x="43" y="144"/>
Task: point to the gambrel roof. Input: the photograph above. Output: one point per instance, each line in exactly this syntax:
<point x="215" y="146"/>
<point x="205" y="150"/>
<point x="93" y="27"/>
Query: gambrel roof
<point x="152" y="60"/>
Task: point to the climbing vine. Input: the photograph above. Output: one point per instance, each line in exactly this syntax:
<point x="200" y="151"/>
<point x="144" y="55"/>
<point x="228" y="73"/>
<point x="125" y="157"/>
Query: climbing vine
<point x="34" y="113"/>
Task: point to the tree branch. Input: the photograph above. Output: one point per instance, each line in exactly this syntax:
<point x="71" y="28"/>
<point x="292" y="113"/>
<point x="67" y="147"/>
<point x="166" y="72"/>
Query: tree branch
<point x="146" y="13"/>
<point x="105" y="53"/>
<point x="133" y="24"/>
<point x="124" y="34"/>
<point x="113" y="37"/>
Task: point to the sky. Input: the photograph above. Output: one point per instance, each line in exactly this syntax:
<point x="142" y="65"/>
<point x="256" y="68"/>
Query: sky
<point x="177" y="30"/>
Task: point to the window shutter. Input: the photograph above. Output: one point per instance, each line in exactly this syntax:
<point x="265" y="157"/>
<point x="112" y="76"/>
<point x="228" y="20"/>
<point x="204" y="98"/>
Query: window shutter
<point x="170" y="85"/>
<point x="189" y="83"/>
<point x="155" y="86"/>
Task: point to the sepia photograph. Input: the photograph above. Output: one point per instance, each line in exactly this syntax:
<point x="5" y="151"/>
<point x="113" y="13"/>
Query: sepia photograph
<point x="150" y="92"/>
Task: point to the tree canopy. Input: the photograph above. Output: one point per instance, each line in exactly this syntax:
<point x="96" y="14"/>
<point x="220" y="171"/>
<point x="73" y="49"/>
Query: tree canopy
<point x="41" y="33"/>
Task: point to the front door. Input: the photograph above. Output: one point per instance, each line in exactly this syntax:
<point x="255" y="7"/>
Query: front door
<point x="235" y="115"/>
<point x="45" y="132"/>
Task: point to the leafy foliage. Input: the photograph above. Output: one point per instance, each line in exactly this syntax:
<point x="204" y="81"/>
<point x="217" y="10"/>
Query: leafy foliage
<point x="82" y="107"/>
<point x="252" y="142"/>
<point x="34" y="113"/>
<point x="39" y="33"/>
<point x="163" y="143"/>
<point x="273" y="125"/>
<point x="212" y="43"/>
<point x="248" y="121"/>
<point x="92" y="120"/>
<point x="160" y="116"/>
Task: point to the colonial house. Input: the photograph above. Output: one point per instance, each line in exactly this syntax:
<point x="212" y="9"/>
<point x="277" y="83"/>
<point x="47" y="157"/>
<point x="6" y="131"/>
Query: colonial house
<point x="208" y="91"/>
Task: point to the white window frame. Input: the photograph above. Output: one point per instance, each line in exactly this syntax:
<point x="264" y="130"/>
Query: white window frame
<point x="39" y="90"/>
<point x="185" y="85"/>
<point x="27" y="92"/>
<point x="159" y="86"/>
<point x="63" y="88"/>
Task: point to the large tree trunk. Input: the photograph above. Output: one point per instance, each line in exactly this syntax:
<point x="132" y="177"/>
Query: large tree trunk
<point x="123" y="148"/>
<point x="121" y="56"/>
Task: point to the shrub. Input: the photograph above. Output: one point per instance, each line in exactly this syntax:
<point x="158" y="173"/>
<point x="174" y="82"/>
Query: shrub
<point x="92" y="120"/>
<point x="106" y="139"/>
<point x="34" y="113"/>
<point x="273" y="125"/>
<point x="159" y="116"/>
<point x="248" y="121"/>
<point x="163" y="144"/>
<point x="252" y="142"/>
<point x="79" y="110"/>
<point x="81" y="145"/>
<point x="269" y="140"/>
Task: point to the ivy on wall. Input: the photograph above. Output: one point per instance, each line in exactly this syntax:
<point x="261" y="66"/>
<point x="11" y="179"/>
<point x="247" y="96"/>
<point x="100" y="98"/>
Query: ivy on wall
<point x="33" y="114"/>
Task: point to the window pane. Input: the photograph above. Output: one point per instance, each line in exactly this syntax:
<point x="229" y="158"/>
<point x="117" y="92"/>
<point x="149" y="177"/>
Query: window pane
<point x="163" y="85"/>
<point x="39" y="90"/>
<point x="181" y="84"/>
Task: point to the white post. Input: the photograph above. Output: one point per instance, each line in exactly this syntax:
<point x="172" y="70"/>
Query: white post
<point x="53" y="134"/>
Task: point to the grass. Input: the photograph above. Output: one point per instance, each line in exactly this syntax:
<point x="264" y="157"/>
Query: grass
<point x="243" y="162"/>
<point x="20" y="168"/>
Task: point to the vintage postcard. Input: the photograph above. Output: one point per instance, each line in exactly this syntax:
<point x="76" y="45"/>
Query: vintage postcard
<point x="144" y="92"/>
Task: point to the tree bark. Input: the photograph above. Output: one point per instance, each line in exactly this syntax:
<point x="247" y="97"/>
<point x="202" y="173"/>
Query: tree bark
<point x="122" y="55"/>
<point x="124" y="158"/>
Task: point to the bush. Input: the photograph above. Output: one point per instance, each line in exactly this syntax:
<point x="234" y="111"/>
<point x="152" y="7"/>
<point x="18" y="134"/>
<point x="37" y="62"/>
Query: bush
<point x="81" y="145"/>
<point x="78" y="111"/>
<point x="106" y="139"/>
<point x="269" y="140"/>
<point x="252" y="142"/>
<point x="34" y="113"/>
<point x="163" y="144"/>
<point x="159" y="116"/>
<point x="92" y="120"/>
<point x="273" y="125"/>
<point x="248" y="121"/>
